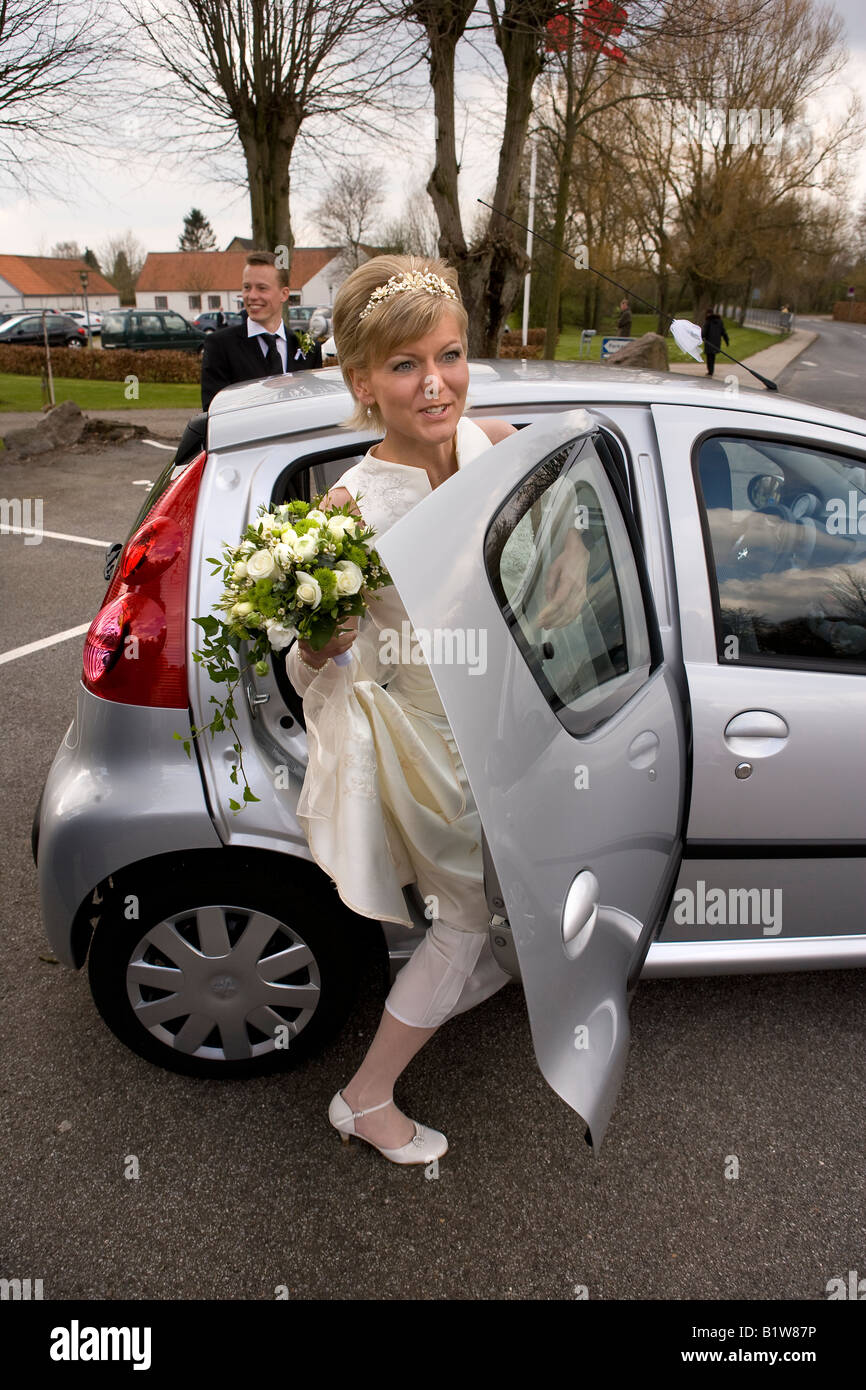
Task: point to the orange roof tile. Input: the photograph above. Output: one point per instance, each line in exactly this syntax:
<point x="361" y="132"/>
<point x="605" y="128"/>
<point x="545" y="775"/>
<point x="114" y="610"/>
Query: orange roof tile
<point x="46" y="275"/>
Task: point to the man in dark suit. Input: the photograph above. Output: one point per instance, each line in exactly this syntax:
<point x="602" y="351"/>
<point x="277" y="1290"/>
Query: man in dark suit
<point x="260" y="345"/>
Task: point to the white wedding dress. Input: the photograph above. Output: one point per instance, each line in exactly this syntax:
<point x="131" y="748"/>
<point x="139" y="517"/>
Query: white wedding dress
<point x="385" y="800"/>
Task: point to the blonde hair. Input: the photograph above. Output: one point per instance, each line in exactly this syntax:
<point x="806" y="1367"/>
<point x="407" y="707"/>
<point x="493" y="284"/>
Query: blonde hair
<point x="401" y="318"/>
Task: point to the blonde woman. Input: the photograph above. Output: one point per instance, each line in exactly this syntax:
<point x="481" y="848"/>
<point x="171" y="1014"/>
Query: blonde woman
<point x="386" y="801"/>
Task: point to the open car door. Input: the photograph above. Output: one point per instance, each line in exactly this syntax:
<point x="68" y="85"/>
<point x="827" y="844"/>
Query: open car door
<point x="570" y="725"/>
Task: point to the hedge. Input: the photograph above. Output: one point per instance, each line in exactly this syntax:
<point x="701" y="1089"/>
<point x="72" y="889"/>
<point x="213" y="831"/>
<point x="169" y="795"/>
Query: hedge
<point x="100" y="364"/>
<point x="850" y="310"/>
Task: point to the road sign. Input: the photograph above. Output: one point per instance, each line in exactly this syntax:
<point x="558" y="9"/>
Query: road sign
<point x="850" y="291"/>
<point x="610" y="345"/>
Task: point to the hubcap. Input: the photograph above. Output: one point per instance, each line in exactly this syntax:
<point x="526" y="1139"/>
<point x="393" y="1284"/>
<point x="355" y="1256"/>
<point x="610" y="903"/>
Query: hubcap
<point x="223" y="983"/>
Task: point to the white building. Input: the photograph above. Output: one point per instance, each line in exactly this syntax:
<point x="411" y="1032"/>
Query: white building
<point x="192" y="282"/>
<point x="45" y="282"/>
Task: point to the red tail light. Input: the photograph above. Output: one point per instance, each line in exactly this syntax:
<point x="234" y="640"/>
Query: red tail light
<point x="135" y="650"/>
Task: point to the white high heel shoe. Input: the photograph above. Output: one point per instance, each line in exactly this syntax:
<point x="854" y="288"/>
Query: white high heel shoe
<point x="426" y="1144"/>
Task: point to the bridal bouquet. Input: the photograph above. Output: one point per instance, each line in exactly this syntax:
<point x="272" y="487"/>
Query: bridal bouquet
<point x="298" y="571"/>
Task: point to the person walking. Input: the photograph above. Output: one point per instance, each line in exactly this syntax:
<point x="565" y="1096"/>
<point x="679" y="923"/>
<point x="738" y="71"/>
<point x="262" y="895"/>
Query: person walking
<point x="623" y="323"/>
<point x="712" y="334"/>
<point x="386" y="801"/>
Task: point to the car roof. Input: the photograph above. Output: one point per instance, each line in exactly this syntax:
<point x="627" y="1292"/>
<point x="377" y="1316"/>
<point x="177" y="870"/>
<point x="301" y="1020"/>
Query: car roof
<point x="314" y="400"/>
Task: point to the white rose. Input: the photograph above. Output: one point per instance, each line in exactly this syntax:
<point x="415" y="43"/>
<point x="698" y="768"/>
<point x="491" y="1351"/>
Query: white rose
<point x="269" y="523"/>
<point x="349" y="577"/>
<point x="289" y="534"/>
<point x="284" y="555"/>
<point x="261" y="565"/>
<point x="306" y="547"/>
<point x="315" y="515"/>
<point x="247" y="547"/>
<point x="341" y="526"/>
<point x="279" y="636"/>
<point x="308" y="590"/>
<point x="240" y="570"/>
<point x="240" y="610"/>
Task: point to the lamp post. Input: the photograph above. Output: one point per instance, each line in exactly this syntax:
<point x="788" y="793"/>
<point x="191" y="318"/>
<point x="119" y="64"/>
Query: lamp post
<point x="83" y="276"/>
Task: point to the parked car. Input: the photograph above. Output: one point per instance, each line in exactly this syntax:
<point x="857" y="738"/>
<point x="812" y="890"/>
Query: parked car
<point x="149" y="329"/>
<point x="210" y="322"/>
<point x="670" y="785"/>
<point x="94" y="322"/>
<point x="300" y="316"/>
<point x="26" y="329"/>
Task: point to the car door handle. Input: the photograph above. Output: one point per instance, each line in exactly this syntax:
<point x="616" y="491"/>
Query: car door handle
<point x="580" y="909"/>
<point x="756" y="732"/>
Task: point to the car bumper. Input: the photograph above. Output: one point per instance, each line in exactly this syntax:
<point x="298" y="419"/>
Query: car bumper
<point x="120" y="790"/>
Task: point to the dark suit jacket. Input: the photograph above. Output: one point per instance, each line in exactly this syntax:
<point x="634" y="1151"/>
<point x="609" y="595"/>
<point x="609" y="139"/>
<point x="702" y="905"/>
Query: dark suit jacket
<point x="231" y="355"/>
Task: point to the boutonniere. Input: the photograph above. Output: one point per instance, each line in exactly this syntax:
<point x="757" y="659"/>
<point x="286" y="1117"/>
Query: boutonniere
<point x="306" y="343"/>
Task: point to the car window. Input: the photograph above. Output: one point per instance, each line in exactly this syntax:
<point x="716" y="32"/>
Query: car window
<point x="115" y="323"/>
<point x="174" y="323"/>
<point x="785" y="536"/>
<point x="600" y="657"/>
<point x="148" y="325"/>
<point x="31" y="325"/>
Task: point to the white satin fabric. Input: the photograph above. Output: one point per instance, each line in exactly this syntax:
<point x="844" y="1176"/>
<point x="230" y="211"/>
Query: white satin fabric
<point x="385" y="799"/>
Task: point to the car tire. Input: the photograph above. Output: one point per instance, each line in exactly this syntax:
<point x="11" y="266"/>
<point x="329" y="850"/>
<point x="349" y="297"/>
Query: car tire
<point x="73" y="342"/>
<point x="237" y="901"/>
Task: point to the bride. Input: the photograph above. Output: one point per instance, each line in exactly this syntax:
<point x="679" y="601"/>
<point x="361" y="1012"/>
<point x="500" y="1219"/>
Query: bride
<point x="386" y="801"/>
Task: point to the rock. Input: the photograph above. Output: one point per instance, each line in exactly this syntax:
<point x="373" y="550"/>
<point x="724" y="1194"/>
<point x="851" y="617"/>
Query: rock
<point x="58" y="428"/>
<point x="649" y="351"/>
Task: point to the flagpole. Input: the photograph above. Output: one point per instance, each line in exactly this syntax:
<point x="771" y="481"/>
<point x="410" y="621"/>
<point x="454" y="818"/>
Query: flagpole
<point x="528" y="277"/>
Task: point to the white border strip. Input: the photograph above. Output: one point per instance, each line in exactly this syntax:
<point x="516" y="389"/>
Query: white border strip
<point x="43" y="642"/>
<point x="52" y="535"/>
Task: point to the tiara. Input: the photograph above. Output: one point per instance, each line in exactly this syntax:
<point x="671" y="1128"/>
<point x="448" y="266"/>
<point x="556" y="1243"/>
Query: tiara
<point x="411" y="280"/>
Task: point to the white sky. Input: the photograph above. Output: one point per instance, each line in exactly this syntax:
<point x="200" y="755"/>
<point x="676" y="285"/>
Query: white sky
<point x="105" y="197"/>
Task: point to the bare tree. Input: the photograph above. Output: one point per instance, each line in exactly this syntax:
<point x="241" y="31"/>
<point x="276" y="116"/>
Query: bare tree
<point x="66" y="251"/>
<point x="48" y="52"/>
<point x="254" y="71"/>
<point x="122" y="257"/>
<point x="414" y="230"/>
<point x="349" y="207"/>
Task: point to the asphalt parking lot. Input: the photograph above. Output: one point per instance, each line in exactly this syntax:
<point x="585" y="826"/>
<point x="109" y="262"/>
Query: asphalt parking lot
<point x="244" y="1186"/>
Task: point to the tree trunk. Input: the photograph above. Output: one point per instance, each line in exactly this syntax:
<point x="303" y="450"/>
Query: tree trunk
<point x="563" y="189"/>
<point x="491" y="273"/>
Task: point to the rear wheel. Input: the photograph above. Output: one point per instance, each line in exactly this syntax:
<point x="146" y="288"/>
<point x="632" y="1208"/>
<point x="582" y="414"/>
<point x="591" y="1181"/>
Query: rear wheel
<point x="73" y="342"/>
<point x="224" y="972"/>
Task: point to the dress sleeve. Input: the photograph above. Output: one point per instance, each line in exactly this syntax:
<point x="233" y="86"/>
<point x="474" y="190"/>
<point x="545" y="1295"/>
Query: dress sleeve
<point x="300" y="675"/>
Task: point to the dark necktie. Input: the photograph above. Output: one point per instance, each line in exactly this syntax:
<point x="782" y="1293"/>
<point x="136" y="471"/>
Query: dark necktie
<point x="273" y="359"/>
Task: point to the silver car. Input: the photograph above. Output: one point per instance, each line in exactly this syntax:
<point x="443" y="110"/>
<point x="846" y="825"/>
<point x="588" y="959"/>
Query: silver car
<point x="669" y="785"/>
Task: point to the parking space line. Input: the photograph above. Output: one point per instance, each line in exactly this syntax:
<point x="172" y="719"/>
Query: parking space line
<point x="155" y="445"/>
<point x="52" y="535"/>
<point x="43" y="642"/>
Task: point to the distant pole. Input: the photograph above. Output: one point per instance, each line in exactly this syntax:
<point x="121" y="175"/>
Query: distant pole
<point x="48" y="356"/>
<point x="531" y="220"/>
<point x="82" y="275"/>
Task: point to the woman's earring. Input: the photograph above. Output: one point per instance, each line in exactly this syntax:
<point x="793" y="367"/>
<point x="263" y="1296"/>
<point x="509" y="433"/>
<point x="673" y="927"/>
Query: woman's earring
<point x="369" y="413"/>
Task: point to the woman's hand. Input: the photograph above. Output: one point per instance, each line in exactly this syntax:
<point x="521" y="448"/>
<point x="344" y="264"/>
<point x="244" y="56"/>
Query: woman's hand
<point x="339" y="643"/>
<point x="566" y="584"/>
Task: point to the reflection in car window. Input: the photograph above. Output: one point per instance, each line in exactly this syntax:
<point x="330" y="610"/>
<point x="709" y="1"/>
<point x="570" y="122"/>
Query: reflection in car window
<point x="786" y="528"/>
<point x="589" y="667"/>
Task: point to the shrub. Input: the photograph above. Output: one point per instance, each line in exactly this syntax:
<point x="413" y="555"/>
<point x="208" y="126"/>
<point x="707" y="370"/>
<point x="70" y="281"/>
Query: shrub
<point x="99" y="364"/>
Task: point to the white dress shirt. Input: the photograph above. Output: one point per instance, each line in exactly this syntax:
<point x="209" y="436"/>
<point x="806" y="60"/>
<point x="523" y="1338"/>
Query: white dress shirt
<point x="255" y="329"/>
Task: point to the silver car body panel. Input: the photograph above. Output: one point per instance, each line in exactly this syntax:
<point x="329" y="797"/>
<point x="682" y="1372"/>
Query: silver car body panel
<point x="101" y="814"/>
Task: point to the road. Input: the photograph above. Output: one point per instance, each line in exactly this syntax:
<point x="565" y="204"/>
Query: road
<point x="832" y="370"/>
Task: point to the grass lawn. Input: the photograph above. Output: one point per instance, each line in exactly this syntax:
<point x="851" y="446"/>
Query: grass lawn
<point x="25" y="393"/>
<point x="744" y="341"/>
